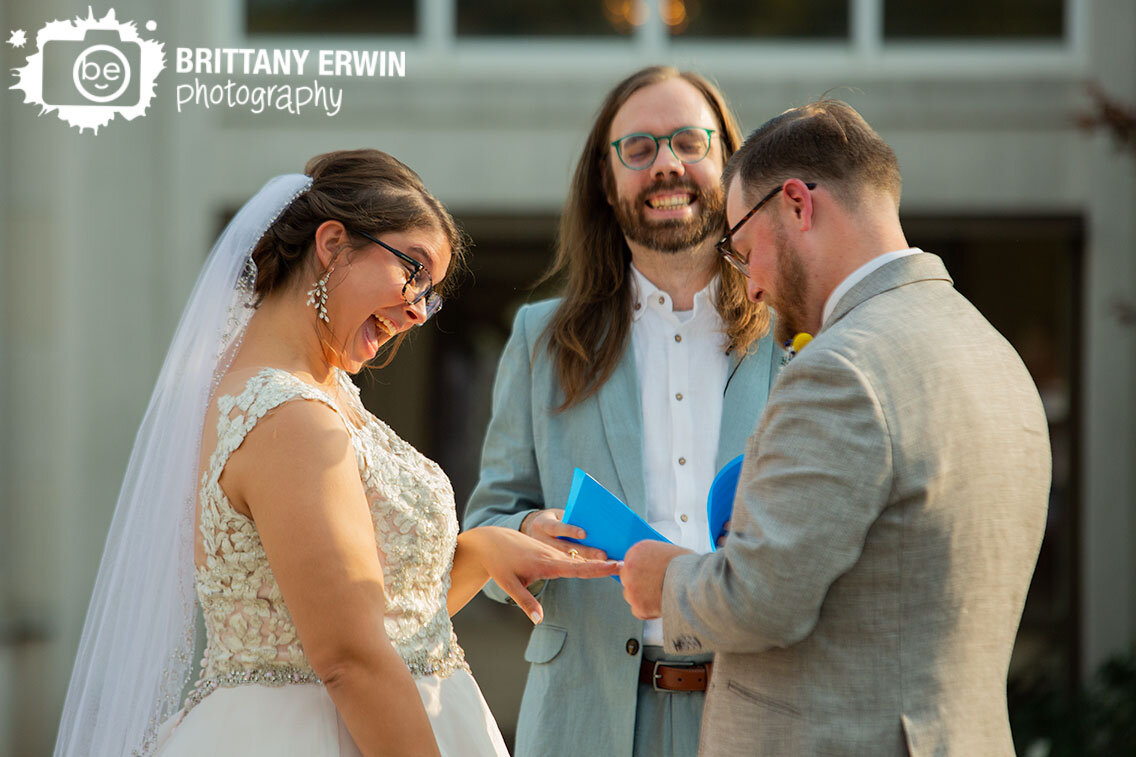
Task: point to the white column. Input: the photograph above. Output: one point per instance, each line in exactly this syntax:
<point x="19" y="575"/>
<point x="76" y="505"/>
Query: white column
<point x="1109" y="456"/>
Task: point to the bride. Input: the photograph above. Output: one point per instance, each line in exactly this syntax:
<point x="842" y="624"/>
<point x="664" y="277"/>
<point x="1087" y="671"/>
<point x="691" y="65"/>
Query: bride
<point x="323" y="550"/>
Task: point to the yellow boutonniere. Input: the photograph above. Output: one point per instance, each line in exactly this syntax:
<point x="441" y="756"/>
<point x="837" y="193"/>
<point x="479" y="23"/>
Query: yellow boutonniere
<point x="795" y="345"/>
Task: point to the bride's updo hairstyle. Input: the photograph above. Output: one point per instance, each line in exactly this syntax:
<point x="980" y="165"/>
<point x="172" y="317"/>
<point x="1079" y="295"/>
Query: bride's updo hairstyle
<point x="366" y="190"/>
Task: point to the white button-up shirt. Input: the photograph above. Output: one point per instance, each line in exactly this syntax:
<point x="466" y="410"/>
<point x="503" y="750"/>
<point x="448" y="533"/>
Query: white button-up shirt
<point x="681" y="361"/>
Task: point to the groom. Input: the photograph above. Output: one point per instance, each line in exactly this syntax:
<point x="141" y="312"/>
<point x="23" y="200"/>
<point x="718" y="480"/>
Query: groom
<point x="893" y="496"/>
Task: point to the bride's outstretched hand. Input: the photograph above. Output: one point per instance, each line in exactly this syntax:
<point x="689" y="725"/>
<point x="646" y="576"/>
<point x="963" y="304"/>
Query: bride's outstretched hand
<point x="514" y="561"/>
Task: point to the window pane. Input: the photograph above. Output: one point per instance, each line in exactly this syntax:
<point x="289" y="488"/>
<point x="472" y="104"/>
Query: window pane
<point x="998" y="19"/>
<point x="581" y="18"/>
<point x="330" y="17"/>
<point x="770" y="19"/>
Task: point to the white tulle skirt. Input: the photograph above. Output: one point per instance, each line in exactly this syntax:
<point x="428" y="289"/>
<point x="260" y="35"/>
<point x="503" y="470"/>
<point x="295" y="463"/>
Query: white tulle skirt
<point x="300" y="720"/>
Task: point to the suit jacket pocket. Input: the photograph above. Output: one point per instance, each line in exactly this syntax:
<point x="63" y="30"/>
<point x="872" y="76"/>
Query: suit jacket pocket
<point x="909" y="734"/>
<point x="545" y="643"/>
<point x="925" y="737"/>
<point x="761" y="700"/>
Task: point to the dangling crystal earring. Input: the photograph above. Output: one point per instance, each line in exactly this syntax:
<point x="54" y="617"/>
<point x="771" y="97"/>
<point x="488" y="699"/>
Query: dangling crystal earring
<point x="317" y="296"/>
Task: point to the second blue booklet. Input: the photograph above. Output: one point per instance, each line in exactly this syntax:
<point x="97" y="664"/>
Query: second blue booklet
<point x="614" y="527"/>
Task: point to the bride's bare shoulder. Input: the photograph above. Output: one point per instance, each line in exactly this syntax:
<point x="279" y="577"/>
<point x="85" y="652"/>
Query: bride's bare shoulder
<point x="301" y="435"/>
<point x="274" y="391"/>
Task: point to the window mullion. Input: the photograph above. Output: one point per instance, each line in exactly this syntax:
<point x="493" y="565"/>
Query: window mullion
<point x="867" y="22"/>
<point x="651" y="35"/>
<point x="1077" y="28"/>
<point x="436" y="24"/>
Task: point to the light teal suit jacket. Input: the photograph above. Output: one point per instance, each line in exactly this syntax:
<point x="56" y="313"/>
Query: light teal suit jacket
<point x="582" y="685"/>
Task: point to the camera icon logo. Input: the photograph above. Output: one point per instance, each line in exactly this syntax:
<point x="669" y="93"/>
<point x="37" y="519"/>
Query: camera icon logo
<point x="99" y="70"/>
<point x="91" y="70"/>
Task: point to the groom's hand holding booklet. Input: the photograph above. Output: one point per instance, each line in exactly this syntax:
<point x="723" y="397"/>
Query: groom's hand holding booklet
<point x="614" y="527"/>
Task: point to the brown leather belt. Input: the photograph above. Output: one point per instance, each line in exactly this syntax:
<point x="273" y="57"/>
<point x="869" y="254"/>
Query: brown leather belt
<point x="675" y="676"/>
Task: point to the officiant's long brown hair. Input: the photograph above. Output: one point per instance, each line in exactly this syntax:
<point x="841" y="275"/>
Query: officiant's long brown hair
<point x="589" y="332"/>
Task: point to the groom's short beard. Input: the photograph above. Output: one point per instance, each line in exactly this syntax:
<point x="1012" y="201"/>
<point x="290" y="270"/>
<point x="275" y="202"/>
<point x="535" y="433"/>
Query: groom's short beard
<point x="672" y="235"/>
<point x="792" y="290"/>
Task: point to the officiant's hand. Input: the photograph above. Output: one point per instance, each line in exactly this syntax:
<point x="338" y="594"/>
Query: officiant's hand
<point x="644" y="568"/>
<point x="514" y="561"/>
<point x="546" y="525"/>
<point x="725" y="532"/>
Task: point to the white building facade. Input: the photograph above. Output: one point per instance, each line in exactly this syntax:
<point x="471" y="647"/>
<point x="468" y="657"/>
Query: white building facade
<point x="103" y="236"/>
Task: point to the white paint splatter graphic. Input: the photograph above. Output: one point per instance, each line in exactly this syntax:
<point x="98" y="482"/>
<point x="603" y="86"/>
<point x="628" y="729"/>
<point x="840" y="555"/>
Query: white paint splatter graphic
<point x="17" y="38"/>
<point x="90" y="70"/>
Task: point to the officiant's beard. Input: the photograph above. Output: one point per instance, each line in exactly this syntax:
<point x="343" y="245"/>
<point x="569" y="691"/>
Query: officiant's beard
<point x="792" y="290"/>
<point x="672" y="235"/>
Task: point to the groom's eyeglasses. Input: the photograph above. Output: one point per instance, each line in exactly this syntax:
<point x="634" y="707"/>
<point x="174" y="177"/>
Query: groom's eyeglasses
<point x="732" y="256"/>
<point x="418" y="284"/>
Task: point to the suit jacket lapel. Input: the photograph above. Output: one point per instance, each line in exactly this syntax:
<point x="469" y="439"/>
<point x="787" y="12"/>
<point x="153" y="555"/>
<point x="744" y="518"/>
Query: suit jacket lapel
<point x="922" y="266"/>
<point x="746" y="392"/>
<point x="622" y="415"/>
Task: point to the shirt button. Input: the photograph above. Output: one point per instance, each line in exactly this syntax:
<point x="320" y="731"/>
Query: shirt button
<point x="682" y="461"/>
<point x="661" y="300"/>
<point x="632" y="647"/>
<point x="679" y="396"/>
<point x="678" y="337"/>
<point x="638" y="305"/>
<point x="683" y="518"/>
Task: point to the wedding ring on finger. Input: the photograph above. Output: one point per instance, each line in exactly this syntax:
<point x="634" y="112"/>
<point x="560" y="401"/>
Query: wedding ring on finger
<point x="574" y="554"/>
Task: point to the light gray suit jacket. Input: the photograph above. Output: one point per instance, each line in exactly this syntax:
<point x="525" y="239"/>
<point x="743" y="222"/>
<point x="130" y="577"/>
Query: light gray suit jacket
<point x="886" y="526"/>
<point x="582" y="685"/>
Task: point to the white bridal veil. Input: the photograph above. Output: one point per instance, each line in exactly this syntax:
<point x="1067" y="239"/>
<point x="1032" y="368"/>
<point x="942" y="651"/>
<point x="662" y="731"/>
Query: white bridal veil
<point x="134" y="655"/>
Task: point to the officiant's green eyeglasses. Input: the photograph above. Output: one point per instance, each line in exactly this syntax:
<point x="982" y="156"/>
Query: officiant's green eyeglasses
<point x="689" y="144"/>
<point x="418" y="284"/>
<point x="732" y="256"/>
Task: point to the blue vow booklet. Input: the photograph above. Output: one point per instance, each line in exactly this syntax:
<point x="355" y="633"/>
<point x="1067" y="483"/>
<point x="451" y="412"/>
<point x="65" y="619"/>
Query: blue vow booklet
<point x="720" y="502"/>
<point x="610" y="524"/>
<point x="614" y="527"/>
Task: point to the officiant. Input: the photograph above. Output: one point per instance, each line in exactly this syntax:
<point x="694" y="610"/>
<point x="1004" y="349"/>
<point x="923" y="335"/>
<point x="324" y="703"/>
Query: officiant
<point x="648" y="372"/>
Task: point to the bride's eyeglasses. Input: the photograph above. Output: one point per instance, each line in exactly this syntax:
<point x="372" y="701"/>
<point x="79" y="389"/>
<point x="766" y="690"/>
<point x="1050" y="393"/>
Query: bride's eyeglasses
<point x="418" y="284"/>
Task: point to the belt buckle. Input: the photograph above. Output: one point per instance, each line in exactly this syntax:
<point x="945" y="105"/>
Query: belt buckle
<point x="655" y="671"/>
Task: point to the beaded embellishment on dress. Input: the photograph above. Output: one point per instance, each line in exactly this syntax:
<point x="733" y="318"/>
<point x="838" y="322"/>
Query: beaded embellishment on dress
<point x="251" y="638"/>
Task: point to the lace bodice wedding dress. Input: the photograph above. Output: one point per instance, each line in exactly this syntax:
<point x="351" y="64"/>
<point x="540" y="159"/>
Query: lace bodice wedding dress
<point x="257" y="693"/>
